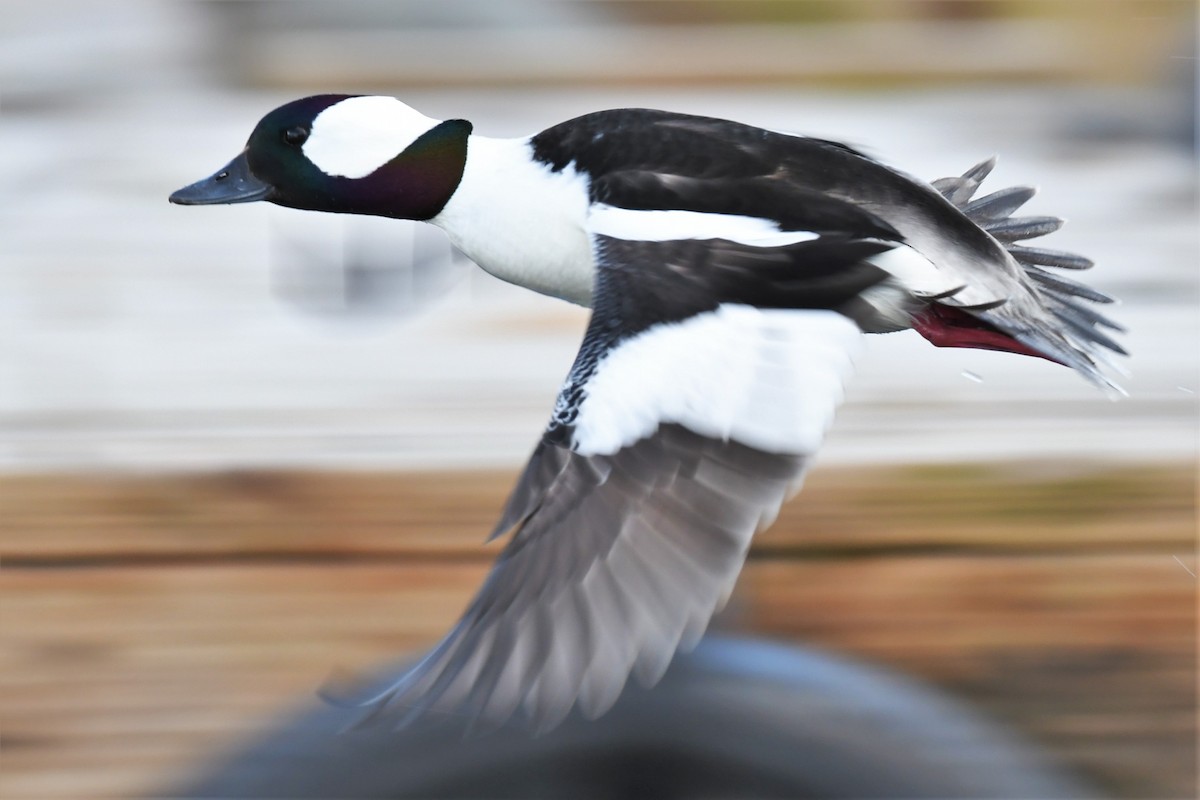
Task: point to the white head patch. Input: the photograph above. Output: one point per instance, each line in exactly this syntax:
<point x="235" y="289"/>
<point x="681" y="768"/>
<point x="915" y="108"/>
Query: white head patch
<point x="359" y="135"/>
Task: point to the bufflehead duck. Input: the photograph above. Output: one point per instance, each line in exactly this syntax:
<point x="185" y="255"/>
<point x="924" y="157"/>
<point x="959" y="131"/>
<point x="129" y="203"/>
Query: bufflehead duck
<point x="731" y="271"/>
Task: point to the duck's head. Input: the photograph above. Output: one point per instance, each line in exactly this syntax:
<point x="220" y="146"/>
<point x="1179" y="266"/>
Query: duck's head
<point x="344" y="153"/>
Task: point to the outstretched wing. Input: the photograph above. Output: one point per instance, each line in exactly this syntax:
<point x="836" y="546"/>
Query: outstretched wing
<point x="708" y="375"/>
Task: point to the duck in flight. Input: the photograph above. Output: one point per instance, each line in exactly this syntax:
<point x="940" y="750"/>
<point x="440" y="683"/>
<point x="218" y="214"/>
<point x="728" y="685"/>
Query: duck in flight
<point x="731" y="272"/>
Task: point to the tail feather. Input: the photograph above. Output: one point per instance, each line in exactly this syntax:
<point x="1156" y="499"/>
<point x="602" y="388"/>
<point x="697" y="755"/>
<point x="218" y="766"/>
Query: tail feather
<point x="960" y="190"/>
<point x="999" y="205"/>
<point x="1048" y="258"/>
<point x="1093" y="316"/>
<point x="1069" y="332"/>
<point x="1014" y="229"/>
<point x="1085" y="327"/>
<point x="1058" y="285"/>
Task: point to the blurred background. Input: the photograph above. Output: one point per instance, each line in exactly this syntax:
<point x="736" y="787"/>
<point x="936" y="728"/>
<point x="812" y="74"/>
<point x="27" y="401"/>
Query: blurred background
<point x="243" y="446"/>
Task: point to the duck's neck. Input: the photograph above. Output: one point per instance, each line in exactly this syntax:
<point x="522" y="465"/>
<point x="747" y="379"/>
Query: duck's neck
<point x="521" y="222"/>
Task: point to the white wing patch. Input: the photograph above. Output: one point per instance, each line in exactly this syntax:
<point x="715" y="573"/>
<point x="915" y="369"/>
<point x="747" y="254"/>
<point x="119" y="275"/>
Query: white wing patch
<point x="359" y="135"/>
<point x="672" y="225"/>
<point x="770" y="379"/>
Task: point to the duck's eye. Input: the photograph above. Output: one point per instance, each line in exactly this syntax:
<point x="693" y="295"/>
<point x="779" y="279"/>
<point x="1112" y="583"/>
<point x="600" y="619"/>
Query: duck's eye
<point x="296" y="135"/>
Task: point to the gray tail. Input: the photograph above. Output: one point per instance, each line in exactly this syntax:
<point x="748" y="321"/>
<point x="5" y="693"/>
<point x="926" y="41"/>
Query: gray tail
<point x="1084" y="343"/>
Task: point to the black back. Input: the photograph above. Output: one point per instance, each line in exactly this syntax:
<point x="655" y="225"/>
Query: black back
<point x="648" y="160"/>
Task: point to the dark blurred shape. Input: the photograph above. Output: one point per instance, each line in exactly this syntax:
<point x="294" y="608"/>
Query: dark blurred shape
<point x="734" y="718"/>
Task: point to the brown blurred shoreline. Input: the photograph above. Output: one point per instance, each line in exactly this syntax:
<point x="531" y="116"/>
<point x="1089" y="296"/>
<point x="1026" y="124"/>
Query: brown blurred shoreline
<point x="151" y="620"/>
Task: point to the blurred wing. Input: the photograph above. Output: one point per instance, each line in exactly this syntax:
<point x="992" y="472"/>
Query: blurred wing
<point x="708" y="376"/>
<point x="624" y="558"/>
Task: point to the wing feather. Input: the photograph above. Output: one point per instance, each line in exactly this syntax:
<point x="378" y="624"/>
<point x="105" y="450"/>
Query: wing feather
<point x="710" y="370"/>
<point x="614" y="587"/>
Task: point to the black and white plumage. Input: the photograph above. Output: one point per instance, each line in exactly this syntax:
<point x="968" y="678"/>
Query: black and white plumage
<point x="731" y="271"/>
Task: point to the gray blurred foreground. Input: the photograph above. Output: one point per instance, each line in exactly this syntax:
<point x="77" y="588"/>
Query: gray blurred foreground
<point x="734" y="718"/>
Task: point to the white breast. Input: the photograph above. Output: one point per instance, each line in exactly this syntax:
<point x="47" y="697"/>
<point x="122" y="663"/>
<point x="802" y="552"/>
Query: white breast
<point x="520" y="221"/>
